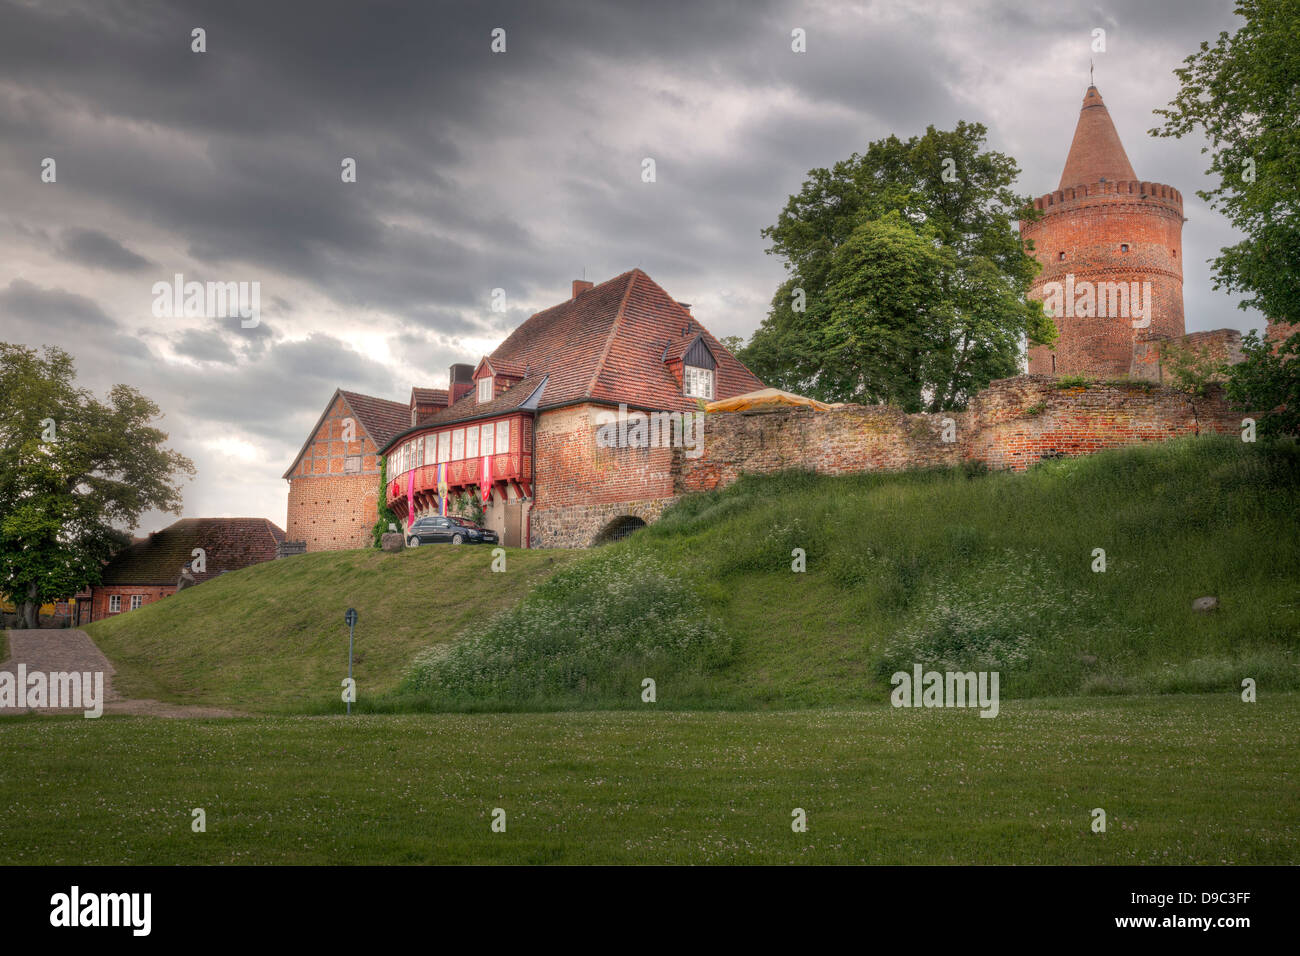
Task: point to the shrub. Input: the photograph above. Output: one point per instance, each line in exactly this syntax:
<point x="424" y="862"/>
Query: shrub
<point x="593" y="631"/>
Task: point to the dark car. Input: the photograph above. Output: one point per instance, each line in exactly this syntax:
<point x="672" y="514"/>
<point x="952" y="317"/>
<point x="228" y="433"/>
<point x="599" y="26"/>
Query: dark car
<point x="435" y="528"/>
<point x="486" y="536"/>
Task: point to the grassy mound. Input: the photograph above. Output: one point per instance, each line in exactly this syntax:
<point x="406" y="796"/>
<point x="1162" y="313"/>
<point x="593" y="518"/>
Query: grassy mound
<point x="949" y="569"/>
<point x="272" y="637"/>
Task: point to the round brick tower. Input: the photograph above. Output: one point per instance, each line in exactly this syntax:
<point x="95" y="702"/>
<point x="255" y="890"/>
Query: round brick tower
<point x="1111" y="250"/>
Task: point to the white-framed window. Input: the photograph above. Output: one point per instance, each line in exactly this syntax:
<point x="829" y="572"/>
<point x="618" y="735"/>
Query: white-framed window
<point x="136" y="601"/>
<point x="699" y="382"/>
<point x="352" y="465"/>
<point x="114" y="603"/>
<point x="458" y="444"/>
<point x="485" y="389"/>
<point x="503" y="438"/>
<point x="431" y="450"/>
<point x="485" y="440"/>
<point x="444" y="446"/>
<point x="471" y="442"/>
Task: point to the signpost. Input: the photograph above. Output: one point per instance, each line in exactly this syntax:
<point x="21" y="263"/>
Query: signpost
<point x="351" y="618"/>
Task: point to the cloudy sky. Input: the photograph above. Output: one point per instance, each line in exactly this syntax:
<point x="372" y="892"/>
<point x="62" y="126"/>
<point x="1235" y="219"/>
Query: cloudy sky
<point x="477" y="170"/>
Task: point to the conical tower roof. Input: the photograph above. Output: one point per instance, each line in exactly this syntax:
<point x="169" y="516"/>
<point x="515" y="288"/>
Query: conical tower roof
<point x="1096" y="152"/>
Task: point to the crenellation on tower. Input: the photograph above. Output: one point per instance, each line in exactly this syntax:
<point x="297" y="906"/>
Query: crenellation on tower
<point x="1109" y="245"/>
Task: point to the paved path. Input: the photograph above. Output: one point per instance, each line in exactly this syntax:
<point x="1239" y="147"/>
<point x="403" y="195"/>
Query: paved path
<point x="68" y="649"/>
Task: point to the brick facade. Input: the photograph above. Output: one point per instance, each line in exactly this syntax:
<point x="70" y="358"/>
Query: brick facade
<point x="101" y="594"/>
<point x="582" y="487"/>
<point x="1103" y="225"/>
<point x="334" y="484"/>
<point x="1010" y="425"/>
<point x="1091" y="225"/>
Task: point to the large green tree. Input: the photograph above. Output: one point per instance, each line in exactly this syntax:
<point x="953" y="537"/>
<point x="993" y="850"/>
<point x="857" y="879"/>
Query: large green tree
<point x="908" y="278"/>
<point x="73" y="472"/>
<point x="1244" y="94"/>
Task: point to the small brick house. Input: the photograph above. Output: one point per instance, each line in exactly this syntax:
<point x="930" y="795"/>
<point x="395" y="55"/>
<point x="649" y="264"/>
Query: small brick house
<point x="153" y="567"/>
<point x="334" y="481"/>
<point x="517" y="430"/>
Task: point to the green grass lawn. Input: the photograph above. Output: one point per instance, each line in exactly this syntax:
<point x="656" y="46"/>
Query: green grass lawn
<point x="272" y="637"/>
<point x="1182" y="778"/>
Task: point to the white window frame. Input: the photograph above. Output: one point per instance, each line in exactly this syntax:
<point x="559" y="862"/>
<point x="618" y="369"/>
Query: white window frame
<point x="431" y="450"/>
<point x="485" y="389"/>
<point x="115" y="604"/>
<point x="471" y="442"/>
<point x="698" y="382"/>
<point x="137" y="601"/>
<point x="444" y="446"/>
<point x="458" y="444"/>
<point x="485" y="439"/>
<point x="503" y="438"/>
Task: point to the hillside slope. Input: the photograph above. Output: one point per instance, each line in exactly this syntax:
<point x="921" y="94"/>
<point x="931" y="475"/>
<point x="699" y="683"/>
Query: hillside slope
<point x="272" y="637"/>
<point x="947" y="569"/>
<point x="942" y="568"/>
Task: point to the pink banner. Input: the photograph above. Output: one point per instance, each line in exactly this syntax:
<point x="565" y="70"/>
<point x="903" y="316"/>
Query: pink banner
<point x="485" y="479"/>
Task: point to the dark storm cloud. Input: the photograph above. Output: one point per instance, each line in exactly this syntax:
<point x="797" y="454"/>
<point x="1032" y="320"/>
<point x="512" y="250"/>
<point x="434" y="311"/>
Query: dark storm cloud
<point x="204" y="346"/>
<point x="58" y="313"/>
<point x="90" y="247"/>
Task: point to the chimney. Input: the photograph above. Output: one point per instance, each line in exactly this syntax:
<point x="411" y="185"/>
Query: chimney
<point x="686" y="306"/>
<point x="580" y="286"/>
<point x="460" y="382"/>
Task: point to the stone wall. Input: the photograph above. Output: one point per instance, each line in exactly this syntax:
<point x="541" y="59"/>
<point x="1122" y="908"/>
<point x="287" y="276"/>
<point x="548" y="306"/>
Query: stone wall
<point x="1012" y="424"/>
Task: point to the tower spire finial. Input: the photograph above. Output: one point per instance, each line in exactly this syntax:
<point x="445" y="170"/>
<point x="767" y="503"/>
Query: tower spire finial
<point x="1091" y="82"/>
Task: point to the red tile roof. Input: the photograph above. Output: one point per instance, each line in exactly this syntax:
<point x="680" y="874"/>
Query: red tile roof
<point x="608" y="345"/>
<point x="380" y="418"/>
<point x="429" y="396"/>
<point x="228" y="543"/>
<point x="504" y="367"/>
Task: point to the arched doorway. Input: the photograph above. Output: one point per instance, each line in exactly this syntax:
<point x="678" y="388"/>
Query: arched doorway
<point x="618" y="529"/>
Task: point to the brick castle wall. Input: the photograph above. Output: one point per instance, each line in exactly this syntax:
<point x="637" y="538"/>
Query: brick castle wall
<point x="1012" y="424"/>
<point x="1081" y="233"/>
<point x="580" y="487"/>
<point x="329" y="508"/>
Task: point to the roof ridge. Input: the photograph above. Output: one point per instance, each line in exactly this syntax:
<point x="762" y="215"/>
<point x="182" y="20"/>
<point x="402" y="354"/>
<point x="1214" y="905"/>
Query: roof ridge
<point x="613" y="331"/>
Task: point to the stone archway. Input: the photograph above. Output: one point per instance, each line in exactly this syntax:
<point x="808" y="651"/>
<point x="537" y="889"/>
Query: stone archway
<point x="618" y="529"/>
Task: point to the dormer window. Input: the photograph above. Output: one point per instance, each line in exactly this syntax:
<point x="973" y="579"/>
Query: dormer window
<point x="485" y="389"/>
<point x="698" y="382"/>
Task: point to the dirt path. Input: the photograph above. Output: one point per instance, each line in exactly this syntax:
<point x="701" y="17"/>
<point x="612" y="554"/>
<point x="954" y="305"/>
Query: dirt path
<point x="50" y="651"/>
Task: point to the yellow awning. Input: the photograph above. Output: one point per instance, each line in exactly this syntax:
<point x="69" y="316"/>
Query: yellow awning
<point x="764" y="396"/>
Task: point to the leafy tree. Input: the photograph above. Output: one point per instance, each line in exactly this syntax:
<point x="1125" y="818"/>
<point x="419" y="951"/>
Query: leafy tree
<point x="1267" y="384"/>
<point x="1192" y="370"/>
<point x="908" y="276"/>
<point x="386" y="515"/>
<point x="469" y="507"/>
<point x="1244" y="92"/>
<point x="73" y="470"/>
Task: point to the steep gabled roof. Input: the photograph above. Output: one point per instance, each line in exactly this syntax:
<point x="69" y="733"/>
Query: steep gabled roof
<point x="379" y="418"/>
<point x="1096" y="152"/>
<point x="608" y="344"/>
<point x="228" y="544"/>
